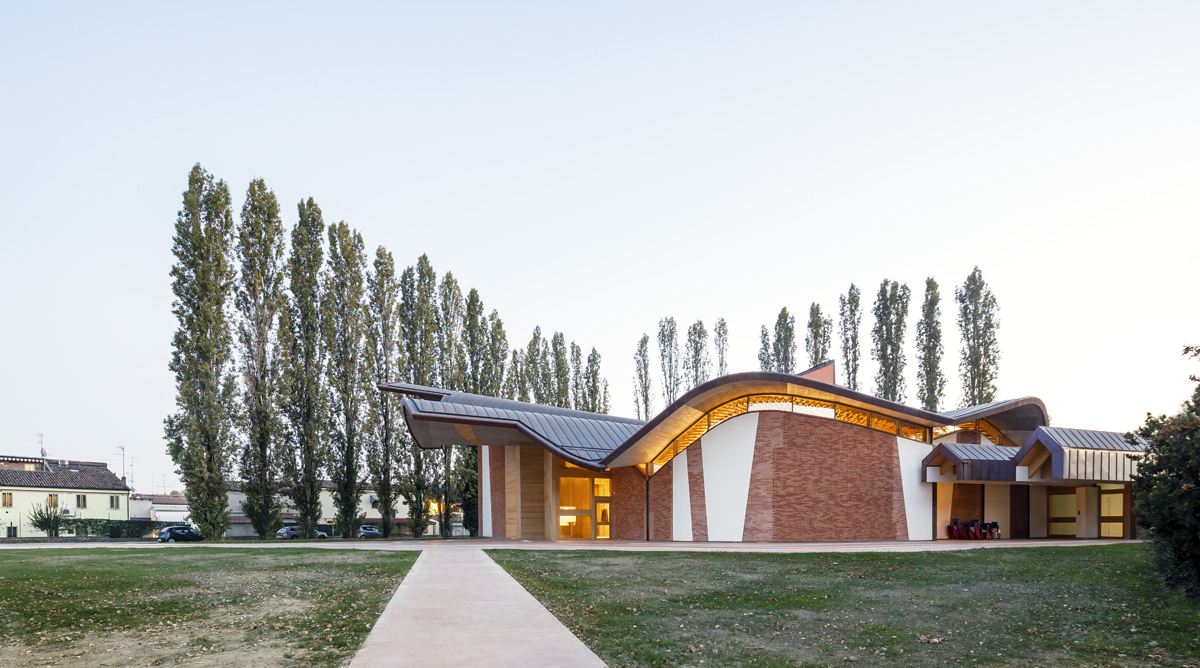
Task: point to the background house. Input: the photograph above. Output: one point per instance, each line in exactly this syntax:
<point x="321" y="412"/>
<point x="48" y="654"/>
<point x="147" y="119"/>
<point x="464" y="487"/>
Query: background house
<point x="78" y="489"/>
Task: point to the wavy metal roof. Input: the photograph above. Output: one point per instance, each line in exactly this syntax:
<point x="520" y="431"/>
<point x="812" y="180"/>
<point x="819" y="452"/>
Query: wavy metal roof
<point x="972" y="451"/>
<point x="439" y="417"/>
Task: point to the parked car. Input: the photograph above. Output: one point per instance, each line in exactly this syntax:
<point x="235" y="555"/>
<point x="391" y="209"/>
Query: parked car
<point x="293" y="532"/>
<point x="368" y="531"/>
<point x="178" y="534"/>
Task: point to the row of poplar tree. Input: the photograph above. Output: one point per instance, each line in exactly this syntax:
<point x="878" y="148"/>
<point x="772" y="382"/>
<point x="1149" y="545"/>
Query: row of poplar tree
<point x="280" y="350"/>
<point x="684" y="369"/>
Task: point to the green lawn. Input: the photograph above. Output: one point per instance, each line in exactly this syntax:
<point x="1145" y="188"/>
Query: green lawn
<point x="241" y="606"/>
<point x="1063" y="606"/>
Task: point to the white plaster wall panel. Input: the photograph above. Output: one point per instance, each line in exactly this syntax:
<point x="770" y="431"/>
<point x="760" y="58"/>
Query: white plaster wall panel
<point x="485" y="492"/>
<point x="934" y="474"/>
<point x="918" y="497"/>
<point x="814" y="410"/>
<point x="1037" y="512"/>
<point x="681" y="500"/>
<point x="945" y="497"/>
<point x="996" y="508"/>
<point x="728" y="458"/>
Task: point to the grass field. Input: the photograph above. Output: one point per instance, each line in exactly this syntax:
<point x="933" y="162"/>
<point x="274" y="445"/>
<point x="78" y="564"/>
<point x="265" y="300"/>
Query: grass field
<point x="1068" y="606"/>
<point x="192" y="605"/>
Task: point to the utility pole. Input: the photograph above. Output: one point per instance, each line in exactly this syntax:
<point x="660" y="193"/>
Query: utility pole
<point x="41" y="447"/>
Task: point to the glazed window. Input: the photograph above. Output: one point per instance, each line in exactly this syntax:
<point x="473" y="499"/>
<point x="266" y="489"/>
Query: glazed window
<point x="602" y="486"/>
<point x="52" y="501"/>
<point x="81" y="500"/>
<point x="574" y="493"/>
<point x="6" y="499"/>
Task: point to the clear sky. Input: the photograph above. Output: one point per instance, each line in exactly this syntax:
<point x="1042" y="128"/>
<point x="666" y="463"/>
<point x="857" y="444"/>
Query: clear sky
<point x="591" y="168"/>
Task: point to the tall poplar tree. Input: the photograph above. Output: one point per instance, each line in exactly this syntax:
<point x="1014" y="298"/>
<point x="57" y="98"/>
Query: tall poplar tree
<point x="931" y="383"/>
<point x="577" y="380"/>
<point x="385" y="361"/>
<point x="643" y="388"/>
<point x="766" y="356"/>
<point x="451" y="358"/>
<point x="419" y="322"/>
<point x="259" y="301"/>
<point x="561" y="372"/>
<point x="515" y="384"/>
<point x="817" y="341"/>
<point x="783" y="348"/>
<point x="891" y="314"/>
<point x="302" y="354"/>
<point x="721" y="344"/>
<point x="849" y="320"/>
<point x="594" y="387"/>
<point x="200" y="434"/>
<point x="475" y="343"/>
<point x="343" y="314"/>
<point x="696" y="365"/>
<point x="495" y="359"/>
<point x="977" y="325"/>
<point x="669" y="362"/>
<point x="538" y="370"/>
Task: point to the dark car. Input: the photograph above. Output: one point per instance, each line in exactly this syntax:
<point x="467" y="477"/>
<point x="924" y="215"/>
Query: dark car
<point x="178" y="535"/>
<point x="293" y="532"/>
<point x="367" y="531"/>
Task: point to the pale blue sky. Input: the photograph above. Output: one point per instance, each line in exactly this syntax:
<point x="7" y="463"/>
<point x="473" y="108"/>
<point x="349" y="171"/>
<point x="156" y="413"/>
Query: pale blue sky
<point x="594" y="168"/>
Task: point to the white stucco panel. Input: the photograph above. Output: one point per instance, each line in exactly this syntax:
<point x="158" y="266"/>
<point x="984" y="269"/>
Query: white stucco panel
<point x="485" y="492"/>
<point x="918" y="496"/>
<point x="681" y="499"/>
<point x="728" y="457"/>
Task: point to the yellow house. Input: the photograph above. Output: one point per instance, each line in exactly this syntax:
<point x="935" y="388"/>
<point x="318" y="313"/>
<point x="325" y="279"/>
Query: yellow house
<point x="77" y="489"/>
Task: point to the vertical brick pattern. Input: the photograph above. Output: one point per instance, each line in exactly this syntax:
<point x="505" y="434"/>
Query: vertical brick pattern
<point x="760" y="501"/>
<point x="967" y="436"/>
<point x="829" y="480"/>
<point x="662" y="494"/>
<point x="696" y="491"/>
<point x="496" y="464"/>
<point x="629" y="504"/>
<point x="967" y="503"/>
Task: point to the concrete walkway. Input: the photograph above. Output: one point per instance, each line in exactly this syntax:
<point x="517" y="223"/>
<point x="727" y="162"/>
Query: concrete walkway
<point x="456" y="607"/>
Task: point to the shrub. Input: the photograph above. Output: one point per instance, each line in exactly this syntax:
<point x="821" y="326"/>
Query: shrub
<point x="1167" y="493"/>
<point x="117" y="528"/>
<point x="47" y="519"/>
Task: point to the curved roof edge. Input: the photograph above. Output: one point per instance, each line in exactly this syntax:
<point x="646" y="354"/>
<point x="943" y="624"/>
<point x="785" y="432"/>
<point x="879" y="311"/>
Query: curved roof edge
<point x="681" y="414"/>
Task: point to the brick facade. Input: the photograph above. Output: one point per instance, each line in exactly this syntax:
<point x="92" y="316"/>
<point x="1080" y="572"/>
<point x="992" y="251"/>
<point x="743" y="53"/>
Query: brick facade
<point x="966" y="503"/>
<point x="661" y="504"/>
<point x="815" y="479"/>
<point x="496" y="463"/>
<point x="696" y="490"/>
<point x="629" y="504"/>
<point x="968" y="436"/>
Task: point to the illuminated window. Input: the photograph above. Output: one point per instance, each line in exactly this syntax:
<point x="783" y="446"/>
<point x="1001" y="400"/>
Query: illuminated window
<point x="602" y="486"/>
<point x="602" y="514"/>
<point x="574" y="493"/>
<point x="912" y="431"/>
<point x="52" y="501"/>
<point x="884" y="424"/>
<point x="575" y="526"/>
<point x="602" y="531"/>
<point x="572" y="466"/>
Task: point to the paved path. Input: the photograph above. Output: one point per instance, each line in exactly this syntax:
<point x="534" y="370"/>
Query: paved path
<point x="456" y="607"/>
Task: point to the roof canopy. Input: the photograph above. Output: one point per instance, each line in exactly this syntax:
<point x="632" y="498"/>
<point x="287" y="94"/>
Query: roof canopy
<point x="1049" y="454"/>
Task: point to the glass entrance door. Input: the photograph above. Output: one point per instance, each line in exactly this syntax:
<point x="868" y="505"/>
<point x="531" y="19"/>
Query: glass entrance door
<point x="584" y="502"/>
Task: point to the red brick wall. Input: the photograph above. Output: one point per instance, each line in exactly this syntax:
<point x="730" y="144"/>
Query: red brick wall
<point x="760" y="504"/>
<point x="828" y="481"/>
<point x="629" y="504"/>
<point x="661" y="504"/>
<point x="496" y="463"/>
<point x="696" y="491"/>
<point x="966" y="503"/>
<point x="967" y="436"/>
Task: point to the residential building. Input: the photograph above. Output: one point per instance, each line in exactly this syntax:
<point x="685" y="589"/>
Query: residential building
<point x="76" y="488"/>
<point x="159" y="508"/>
